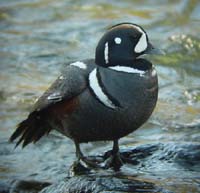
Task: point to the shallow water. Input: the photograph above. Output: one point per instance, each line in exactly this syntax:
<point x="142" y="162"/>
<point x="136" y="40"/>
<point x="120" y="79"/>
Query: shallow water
<point x="38" y="37"/>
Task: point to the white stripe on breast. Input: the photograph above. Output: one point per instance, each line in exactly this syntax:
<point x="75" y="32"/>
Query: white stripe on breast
<point x="127" y="69"/>
<point x="95" y="86"/>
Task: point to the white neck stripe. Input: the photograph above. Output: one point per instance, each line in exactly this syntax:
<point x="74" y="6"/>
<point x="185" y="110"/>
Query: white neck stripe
<point x="95" y="86"/>
<point x="127" y="69"/>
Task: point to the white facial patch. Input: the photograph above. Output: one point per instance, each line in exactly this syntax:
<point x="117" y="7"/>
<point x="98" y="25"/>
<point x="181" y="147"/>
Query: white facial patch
<point x="95" y="86"/>
<point x="127" y="70"/>
<point x="142" y="43"/>
<point x="79" y="65"/>
<point x="118" y="40"/>
<point x="106" y="53"/>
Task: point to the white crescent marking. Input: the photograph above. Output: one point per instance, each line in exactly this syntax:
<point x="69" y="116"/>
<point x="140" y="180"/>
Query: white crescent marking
<point x="94" y="85"/>
<point x="142" y="42"/>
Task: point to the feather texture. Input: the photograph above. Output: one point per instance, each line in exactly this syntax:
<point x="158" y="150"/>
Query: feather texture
<point x="31" y="129"/>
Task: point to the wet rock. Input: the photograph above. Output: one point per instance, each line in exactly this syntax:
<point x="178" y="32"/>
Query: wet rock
<point x="180" y="153"/>
<point x="141" y="152"/>
<point x="28" y="186"/>
<point x="172" y="155"/>
<point x="156" y="158"/>
<point x="4" y="188"/>
<point x="143" y="156"/>
<point x="102" y="184"/>
<point x="189" y="154"/>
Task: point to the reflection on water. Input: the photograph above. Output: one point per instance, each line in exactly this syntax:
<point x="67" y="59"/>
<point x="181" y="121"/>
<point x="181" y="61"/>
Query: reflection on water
<point x="38" y="37"/>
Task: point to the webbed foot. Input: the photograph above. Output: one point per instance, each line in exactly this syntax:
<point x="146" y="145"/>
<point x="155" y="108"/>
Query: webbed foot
<point x="114" y="161"/>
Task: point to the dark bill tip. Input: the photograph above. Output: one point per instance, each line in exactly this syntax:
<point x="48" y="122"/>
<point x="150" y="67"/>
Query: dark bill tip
<point x="152" y="50"/>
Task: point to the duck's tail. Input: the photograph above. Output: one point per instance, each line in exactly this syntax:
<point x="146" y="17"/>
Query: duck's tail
<point x="31" y="129"/>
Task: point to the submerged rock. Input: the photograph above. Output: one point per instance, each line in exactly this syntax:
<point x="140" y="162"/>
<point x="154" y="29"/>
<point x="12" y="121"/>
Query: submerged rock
<point x="24" y="186"/>
<point x="103" y="184"/>
<point x="4" y="188"/>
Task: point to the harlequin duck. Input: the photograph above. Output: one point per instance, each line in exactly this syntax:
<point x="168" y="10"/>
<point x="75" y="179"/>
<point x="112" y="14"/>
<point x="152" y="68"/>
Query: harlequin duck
<point x="99" y="99"/>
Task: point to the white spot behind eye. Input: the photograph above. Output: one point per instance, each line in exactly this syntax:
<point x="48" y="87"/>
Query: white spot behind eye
<point x="106" y="52"/>
<point x="142" y="43"/>
<point x="118" y="40"/>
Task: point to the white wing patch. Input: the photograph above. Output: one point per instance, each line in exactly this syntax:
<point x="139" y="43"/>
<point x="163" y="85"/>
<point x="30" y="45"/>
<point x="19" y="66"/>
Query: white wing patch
<point x="95" y="86"/>
<point x="106" y="53"/>
<point x="153" y="73"/>
<point x="127" y="70"/>
<point x="79" y="65"/>
<point x="56" y="96"/>
<point x="61" y="77"/>
<point x="142" y="43"/>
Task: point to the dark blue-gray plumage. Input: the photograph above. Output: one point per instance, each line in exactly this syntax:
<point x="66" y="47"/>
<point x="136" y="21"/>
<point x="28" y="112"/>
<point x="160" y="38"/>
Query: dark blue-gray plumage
<point x="105" y="98"/>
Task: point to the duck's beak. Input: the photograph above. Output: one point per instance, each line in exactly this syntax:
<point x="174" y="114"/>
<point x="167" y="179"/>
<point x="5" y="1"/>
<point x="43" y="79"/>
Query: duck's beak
<point x="152" y="50"/>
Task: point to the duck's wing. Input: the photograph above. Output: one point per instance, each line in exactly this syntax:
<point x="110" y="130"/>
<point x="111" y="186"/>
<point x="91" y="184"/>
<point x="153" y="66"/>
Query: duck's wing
<point x="64" y="90"/>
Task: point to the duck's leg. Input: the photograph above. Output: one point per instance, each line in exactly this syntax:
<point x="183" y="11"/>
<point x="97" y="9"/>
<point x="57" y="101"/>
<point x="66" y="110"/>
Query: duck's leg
<point x="81" y="157"/>
<point x="114" y="161"/>
<point x="79" y="154"/>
